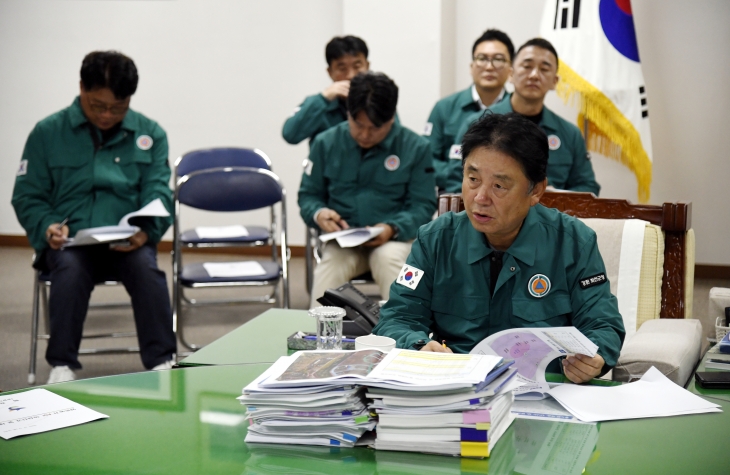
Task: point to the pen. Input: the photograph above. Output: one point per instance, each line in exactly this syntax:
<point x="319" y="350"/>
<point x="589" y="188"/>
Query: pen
<point x="59" y="226"/>
<point x="443" y="343"/>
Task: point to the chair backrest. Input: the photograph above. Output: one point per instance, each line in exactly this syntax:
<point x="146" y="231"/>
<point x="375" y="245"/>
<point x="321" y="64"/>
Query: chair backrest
<point x="220" y="157"/>
<point x="675" y="219"/>
<point x="229" y="189"/>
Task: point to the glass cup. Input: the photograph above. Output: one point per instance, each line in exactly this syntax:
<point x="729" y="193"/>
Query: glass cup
<point x="329" y="327"/>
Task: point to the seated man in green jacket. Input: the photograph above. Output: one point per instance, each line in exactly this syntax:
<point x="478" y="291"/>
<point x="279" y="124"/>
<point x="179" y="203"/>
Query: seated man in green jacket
<point x="368" y="171"/>
<point x="346" y="57"/>
<point x="506" y="261"/>
<point x="534" y="74"/>
<point x="86" y="166"/>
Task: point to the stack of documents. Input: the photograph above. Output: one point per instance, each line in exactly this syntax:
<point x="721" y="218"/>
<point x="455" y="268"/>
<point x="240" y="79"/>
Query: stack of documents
<point x="466" y="422"/>
<point x="297" y="402"/>
<point x="317" y="398"/>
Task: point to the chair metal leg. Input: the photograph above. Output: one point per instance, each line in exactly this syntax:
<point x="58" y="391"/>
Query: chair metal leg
<point x="181" y="322"/>
<point x="34" y="328"/>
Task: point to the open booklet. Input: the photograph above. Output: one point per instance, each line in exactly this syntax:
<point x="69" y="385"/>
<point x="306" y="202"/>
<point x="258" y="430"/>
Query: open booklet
<point x="113" y="234"/>
<point x="398" y="369"/>
<point x="352" y="237"/>
<point x="533" y="349"/>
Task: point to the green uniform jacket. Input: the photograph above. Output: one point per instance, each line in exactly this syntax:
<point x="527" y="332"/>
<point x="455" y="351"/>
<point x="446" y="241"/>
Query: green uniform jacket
<point x="316" y="114"/>
<point x="443" y="124"/>
<point x="61" y="176"/>
<point x="569" y="165"/>
<point x="452" y="299"/>
<point x="390" y="183"/>
<point x="446" y="117"/>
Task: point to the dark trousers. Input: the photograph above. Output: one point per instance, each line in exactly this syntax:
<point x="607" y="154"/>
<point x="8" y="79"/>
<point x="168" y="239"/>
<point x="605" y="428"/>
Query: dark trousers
<point x="74" y="272"/>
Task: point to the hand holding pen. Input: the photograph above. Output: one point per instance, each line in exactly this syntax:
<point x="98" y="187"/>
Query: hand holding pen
<point x="56" y="234"/>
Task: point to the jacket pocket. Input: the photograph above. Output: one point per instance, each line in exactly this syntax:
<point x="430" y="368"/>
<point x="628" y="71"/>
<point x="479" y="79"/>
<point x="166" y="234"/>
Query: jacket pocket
<point x="461" y="306"/>
<point x="552" y="310"/>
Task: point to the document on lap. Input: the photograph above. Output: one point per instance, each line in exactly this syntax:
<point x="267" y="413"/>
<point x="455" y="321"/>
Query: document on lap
<point x="352" y="237"/>
<point x="40" y="410"/>
<point x="120" y="232"/>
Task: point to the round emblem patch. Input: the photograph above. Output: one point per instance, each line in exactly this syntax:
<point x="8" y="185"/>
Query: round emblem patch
<point x="539" y="285"/>
<point x="553" y="142"/>
<point x="144" y="142"/>
<point x="409" y="275"/>
<point x="392" y="163"/>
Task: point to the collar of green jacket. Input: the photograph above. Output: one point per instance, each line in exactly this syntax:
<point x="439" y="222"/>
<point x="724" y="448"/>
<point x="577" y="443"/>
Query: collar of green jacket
<point x="548" y="121"/>
<point x="77" y="117"/>
<point x="386" y="144"/>
<point x="523" y="249"/>
<point x="464" y="100"/>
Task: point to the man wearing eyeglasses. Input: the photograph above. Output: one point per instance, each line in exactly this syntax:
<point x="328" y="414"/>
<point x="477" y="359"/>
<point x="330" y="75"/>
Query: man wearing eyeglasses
<point x="534" y="74"/>
<point x="86" y="166"/>
<point x="490" y="68"/>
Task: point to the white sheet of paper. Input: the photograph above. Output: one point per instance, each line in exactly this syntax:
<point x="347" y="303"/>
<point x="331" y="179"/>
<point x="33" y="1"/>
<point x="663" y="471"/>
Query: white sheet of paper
<point x="352" y="237"/>
<point x="654" y="395"/>
<point x="90" y="236"/>
<point x="111" y="237"/>
<point x="153" y="208"/>
<point x="234" y="269"/>
<point x="40" y="410"/>
<point x="213" y="232"/>
<point x="334" y="235"/>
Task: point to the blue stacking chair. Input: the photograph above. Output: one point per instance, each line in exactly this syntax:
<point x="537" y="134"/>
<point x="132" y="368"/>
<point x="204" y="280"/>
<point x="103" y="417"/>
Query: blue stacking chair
<point x="228" y="180"/>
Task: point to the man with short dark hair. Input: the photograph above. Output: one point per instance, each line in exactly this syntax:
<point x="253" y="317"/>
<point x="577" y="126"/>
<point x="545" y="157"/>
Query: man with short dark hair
<point x="368" y="171"/>
<point x="491" y="65"/>
<point x="506" y="261"/>
<point x="87" y="166"/>
<point x="534" y="74"/>
<point x="346" y="57"/>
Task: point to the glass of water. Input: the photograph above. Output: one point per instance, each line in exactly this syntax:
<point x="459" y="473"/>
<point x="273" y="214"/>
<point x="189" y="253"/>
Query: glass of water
<point x="329" y="327"/>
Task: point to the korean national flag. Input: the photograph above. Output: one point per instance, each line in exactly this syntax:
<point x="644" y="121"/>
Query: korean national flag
<point x="409" y="276"/>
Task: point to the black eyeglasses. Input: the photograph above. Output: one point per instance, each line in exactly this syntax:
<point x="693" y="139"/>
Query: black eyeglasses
<point x="498" y="62"/>
<point x="101" y="108"/>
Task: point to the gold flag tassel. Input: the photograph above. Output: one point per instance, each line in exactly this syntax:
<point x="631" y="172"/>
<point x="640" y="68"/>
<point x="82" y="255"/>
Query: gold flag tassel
<point x="609" y="132"/>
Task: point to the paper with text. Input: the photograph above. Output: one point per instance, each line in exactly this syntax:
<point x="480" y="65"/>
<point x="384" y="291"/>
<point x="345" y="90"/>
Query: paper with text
<point x="533" y="349"/>
<point x="40" y="410"/>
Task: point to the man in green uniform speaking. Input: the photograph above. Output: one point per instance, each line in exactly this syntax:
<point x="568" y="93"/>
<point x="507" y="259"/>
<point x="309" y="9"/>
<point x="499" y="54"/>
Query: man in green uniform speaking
<point x="534" y="74"/>
<point x="346" y="57"/>
<point x="491" y="66"/>
<point x="87" y="166"/>
<point x="368" y="171"/>
<point x="471" y="274"/>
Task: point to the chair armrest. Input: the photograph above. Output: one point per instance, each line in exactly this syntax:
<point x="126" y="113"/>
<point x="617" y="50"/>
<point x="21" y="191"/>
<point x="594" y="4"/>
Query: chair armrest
<point x="671" y="345"/>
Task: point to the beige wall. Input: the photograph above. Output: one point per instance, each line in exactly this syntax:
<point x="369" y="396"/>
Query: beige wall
<point x="227" y="72"/>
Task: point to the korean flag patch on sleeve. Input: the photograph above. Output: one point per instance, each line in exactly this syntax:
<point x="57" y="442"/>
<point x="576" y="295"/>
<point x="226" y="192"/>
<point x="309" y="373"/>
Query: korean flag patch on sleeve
<point x="409" y="276"/>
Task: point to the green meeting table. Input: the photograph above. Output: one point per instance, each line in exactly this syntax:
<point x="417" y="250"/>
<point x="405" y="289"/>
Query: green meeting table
<point x="188" y="421"/>
<point x="260" y="340"/>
